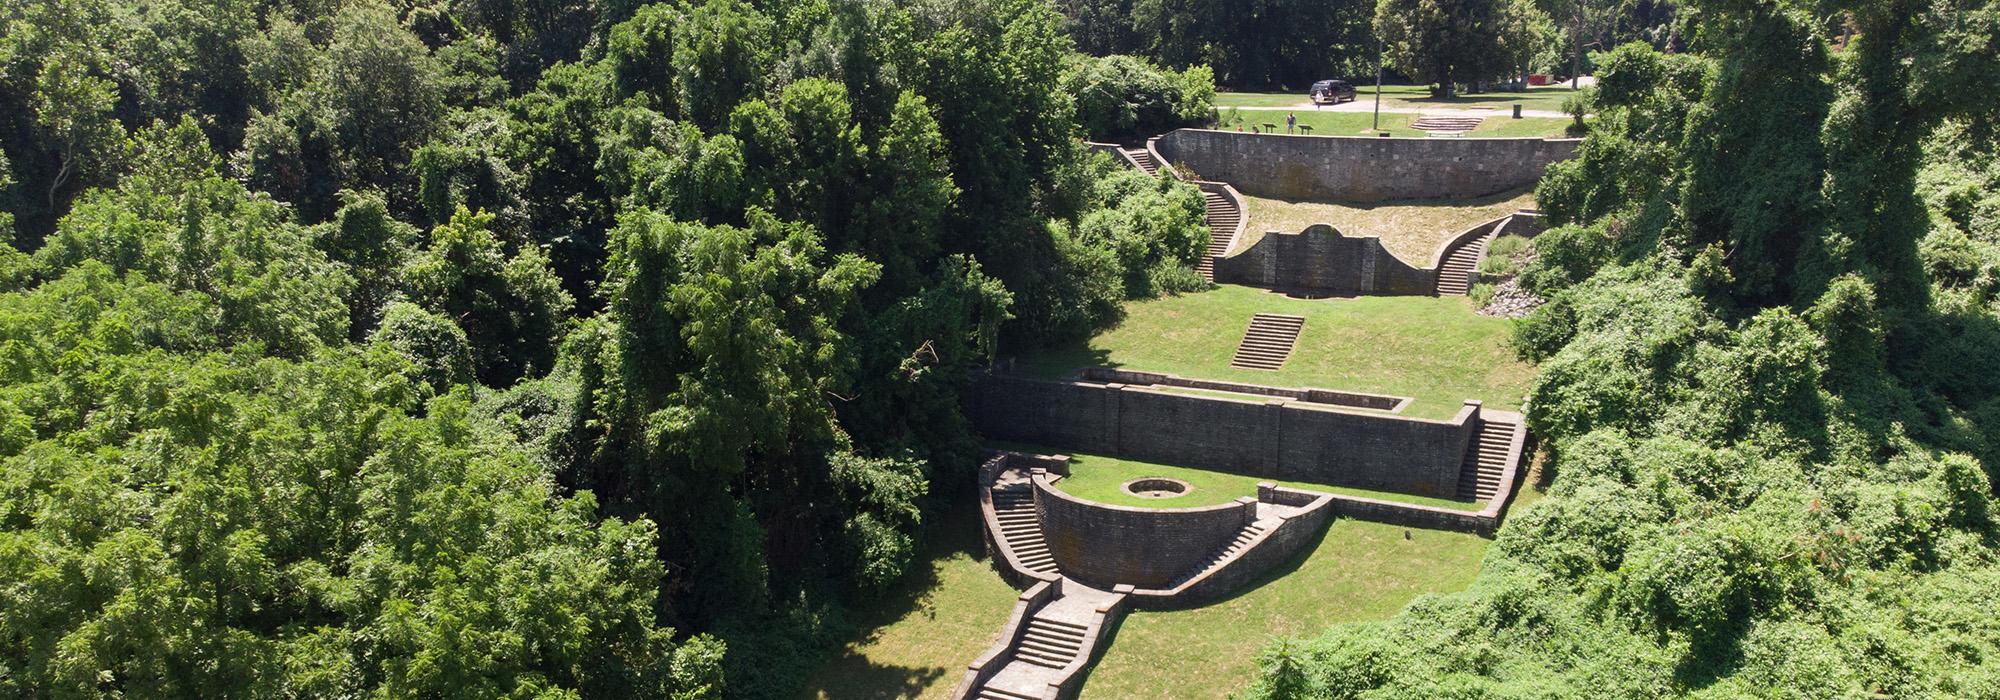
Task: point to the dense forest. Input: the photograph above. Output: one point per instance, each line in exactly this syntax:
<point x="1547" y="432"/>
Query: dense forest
<point x="1769" y="380"/>
<point x="528" y="349"/>
<point x="1289" y="44"/>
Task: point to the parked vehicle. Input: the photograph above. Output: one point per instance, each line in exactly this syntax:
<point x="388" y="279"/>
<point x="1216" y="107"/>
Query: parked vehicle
<point x="1332" y="92"/>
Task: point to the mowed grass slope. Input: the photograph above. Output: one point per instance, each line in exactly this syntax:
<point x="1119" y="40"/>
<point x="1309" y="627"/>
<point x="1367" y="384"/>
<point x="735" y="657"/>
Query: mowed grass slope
<point x="916" y="642"/>
<point x="1412" y="230"/>
<point x="1435" y="350"/>
<point x="1102" y="479"/>
<point x="1359" y="571"/>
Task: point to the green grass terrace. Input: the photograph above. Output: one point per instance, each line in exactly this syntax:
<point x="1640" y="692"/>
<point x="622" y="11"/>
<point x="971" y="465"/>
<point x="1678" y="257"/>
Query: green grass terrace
<point x="1434" y="350"/>
<point x="1548" y="98"/>
<point x="1102" y="479"/>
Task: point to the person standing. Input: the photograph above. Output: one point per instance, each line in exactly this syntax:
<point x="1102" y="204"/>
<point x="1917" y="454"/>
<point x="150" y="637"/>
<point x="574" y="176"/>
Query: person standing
<point x="1291" y="120"/>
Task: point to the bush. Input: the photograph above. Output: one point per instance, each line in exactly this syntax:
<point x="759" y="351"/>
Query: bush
<point x="1123" y="97"/>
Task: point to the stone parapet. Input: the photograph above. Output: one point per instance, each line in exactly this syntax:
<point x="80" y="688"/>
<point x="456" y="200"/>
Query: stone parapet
<point x="1361" y="169"/>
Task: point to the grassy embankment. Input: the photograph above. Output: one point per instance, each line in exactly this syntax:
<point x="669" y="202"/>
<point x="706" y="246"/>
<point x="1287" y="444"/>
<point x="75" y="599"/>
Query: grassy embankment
<point x="916" y="644"/>
<point x="1435" y="350"/>
<point x="1102" y="479"/>
<point x="1412" y="230"/>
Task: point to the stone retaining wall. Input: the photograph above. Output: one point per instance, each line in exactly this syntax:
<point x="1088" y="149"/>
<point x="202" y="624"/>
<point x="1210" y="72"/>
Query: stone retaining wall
<point x="1275" y="438"/>
<point x="1378" y="402"/>
<point x="1323" y="260"/>
<point x="1105" y="545"/>
<point x="1361" y="169"/>
<point x="1271" y="550"/>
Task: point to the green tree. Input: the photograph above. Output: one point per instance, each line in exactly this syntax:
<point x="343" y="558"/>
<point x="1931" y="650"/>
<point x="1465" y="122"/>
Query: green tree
<point x="1444" y="42"/>
<point x="513" y="308"/>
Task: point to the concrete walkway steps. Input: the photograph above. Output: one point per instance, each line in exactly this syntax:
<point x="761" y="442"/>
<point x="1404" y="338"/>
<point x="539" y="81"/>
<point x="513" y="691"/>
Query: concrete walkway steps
<point x="1455" y="275"/>
<point x="1268" y="342"/>
<point x="1459" y="124"/>
<point x="1144" y="159"/>
<point x="1020" y="528"/>
<point x="1053" y="644"/>
<point x="1223" y="218"/>
<point x="1485" y="460"/>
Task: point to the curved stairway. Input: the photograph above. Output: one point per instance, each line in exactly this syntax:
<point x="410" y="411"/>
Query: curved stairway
<point x="1454" y="276"/>
<point x="1223" y="219"/>
<point x="1020" y="527"/>
<point x="1485" y="460"/>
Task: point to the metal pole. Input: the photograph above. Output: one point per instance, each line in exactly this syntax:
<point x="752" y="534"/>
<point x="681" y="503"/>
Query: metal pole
<point x="1378" y="86"/>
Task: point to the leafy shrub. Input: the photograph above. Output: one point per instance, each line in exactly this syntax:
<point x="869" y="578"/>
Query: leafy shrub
<point x="1124" y="97"/>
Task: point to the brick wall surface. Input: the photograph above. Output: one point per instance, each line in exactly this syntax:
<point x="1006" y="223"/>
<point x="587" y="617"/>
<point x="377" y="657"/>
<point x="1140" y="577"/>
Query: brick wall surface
<point x="1275" y="438"/>
<point x="1362" y="169"/>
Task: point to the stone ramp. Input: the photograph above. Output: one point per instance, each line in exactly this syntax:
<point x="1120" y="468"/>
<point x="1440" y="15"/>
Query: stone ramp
<point x="1268" y="342"/>
<point x="1486" y="460"/>
<point x="1223" y="219"/>
<point x="1454" y="275"/>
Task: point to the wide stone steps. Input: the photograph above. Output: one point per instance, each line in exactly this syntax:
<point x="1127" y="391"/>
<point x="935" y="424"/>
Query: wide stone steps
<point x="1453" y="124"/>
<point x="992" y="693"/>
<point x="1145" y="160"/>
<point x="1268" y="342"/>
<point x="1479" y="475"/>
<point x="1021" y="528"/>
<point x="1049" y="643"/>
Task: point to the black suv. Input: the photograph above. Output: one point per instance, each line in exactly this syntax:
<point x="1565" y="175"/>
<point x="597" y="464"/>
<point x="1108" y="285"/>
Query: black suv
<point x="1332" y="92"/>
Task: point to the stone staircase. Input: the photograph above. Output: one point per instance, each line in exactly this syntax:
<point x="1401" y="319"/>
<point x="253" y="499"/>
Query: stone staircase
<point x="1223" y="218"/>
<point x="1144" y="159"/>
<point x="1244" y="539"/>
<point x="1485" y="460"/>
<point x="1044" y="651"/>
<point x="1268" y="342"/>
<point x="1454" y="276"/>
<point x="1446" y="124"/>
<point x="1020" y="527"/>
<point x="1049" y="643"/>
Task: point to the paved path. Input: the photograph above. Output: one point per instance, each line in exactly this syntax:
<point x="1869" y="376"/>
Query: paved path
<point x="1365" y="106"/>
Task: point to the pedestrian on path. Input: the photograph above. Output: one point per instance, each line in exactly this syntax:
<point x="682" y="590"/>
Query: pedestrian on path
<point x="1291" y="120"/>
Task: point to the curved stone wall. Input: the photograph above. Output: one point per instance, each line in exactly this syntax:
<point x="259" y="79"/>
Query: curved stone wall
<point x="1360" y="169"/>
<point x="1105" y="545"/>
<point x="1321" y="259"/>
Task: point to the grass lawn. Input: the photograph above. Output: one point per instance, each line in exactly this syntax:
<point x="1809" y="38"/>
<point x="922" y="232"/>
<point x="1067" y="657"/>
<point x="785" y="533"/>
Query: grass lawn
<point x="1359" y="571"/>
<point x="1409" y="96"/>
<point x="1412" y="230"/>
<point x="1100" y="478"/>
<point x="942" y="615"/>
<point x="1435" y="350"/>
<point x="1396" y="123"/>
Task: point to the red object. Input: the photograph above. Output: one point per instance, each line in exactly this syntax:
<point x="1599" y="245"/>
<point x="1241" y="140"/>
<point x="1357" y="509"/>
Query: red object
<point x="1537" y="79"/>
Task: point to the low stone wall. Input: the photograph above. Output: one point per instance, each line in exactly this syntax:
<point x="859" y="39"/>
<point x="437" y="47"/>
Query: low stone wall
<point x="1105" y="545"/>
<point x="1361" y="169"/>
<point x="1322" y="260"/>
<point x="1353" y="399"/>
<point x="1275" y="438"/>
<point x="989" y="663"/>
<point x="1271" y="550"/>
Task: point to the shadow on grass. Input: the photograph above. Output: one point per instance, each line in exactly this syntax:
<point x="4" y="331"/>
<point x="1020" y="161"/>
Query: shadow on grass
<point x="955" y="531"/>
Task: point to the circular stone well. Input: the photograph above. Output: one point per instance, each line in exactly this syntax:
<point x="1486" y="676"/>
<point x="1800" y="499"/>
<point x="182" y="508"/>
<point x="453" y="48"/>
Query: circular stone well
<point x="1157" y="487"/>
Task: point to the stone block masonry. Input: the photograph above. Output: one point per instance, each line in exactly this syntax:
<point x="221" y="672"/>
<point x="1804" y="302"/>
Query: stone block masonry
<point x="1275" y="438"/>
<point x="1359" y="169"/>
<point x="1105" y="545"/>
<point x="1322" y="260"/>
